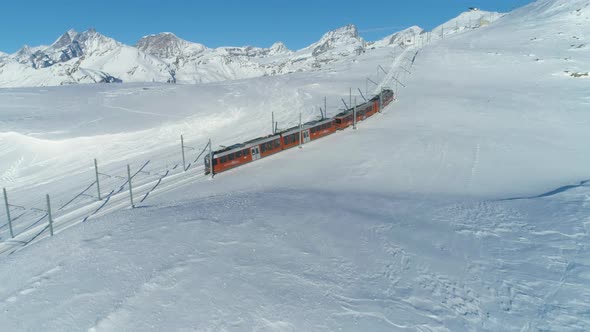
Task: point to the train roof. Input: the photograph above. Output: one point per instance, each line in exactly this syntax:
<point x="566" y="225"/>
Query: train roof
<point x="307" y="125"/>
<point x="241" y="146"/>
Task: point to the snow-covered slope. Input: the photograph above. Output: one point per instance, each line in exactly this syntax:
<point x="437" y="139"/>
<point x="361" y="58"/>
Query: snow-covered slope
<point x="464" y="207"/>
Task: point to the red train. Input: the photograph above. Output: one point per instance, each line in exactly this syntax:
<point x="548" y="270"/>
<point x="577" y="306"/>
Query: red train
<point x="242" y="153"/>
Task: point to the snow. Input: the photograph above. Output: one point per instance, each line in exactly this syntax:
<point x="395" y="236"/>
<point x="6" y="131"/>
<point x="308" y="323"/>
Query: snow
<point x="466" y="21"/>
<point x="464" y="206"/>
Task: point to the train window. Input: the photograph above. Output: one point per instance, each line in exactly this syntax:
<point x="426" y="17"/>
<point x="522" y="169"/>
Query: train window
<point x="214" y="161"/>
<point x="230" y="156"/>
<point x="246" y="152"/>
<point x="277" y="144"/>
<point x="238" y="154"/>
<point x="262" y="147"/>
<point x="338" y="121"/>
<point x="223" y="159"/>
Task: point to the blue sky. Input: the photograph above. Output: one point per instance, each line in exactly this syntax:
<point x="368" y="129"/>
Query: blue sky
<point x="225" y="23"/>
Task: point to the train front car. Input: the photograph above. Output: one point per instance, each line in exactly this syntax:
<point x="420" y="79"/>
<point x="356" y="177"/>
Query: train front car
<point x="243" y="153"/>
<point x="386" y="97"/>
<point x="227" y="158"/>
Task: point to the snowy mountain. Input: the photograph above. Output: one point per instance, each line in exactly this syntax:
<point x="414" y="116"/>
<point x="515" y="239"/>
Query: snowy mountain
<point x="90" y="57"/>
<point x="167" y="46"/>
<point x="404" y="37"/>
<point x="86" y="57"/>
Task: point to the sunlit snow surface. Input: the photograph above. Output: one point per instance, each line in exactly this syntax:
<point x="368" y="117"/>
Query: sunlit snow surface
<point x="450" y="211"/>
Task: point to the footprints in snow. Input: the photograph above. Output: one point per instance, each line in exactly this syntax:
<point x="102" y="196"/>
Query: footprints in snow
<point x="461" y="300"/>
<point x="33" y="285"/>
<point x="11" y="173"/>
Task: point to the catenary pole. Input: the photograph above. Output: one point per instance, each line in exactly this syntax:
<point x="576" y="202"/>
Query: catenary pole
<point x="182" y="149"/>
<point x="300" y="133"/>
<point x="381" y="101"/>
<point x="8" y="212"/>
<point x="49" y="215"/>
<point x="211" y="159"/>
<point x="130" y="186"/>
<point x="97" y="179"/>
<point x="354" y="115"/>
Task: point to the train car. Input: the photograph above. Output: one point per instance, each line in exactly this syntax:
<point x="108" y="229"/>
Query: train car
<point x="243" y="153"/>
<point x="290" y="137"/>
<point x="268" y="145"/>
<point x="344" y="119"/>
<point x="317" y="129"/>
<point x="387" y="97"/>
<point x="308" y="132"/>
<point x="363" y="111"/>
<point x="374" y="106"/>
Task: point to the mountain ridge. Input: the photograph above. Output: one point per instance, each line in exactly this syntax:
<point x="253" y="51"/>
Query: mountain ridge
<point x="91" y="57"/>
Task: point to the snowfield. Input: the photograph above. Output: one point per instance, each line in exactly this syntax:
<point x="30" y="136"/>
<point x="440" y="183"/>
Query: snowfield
<point x="464" y="206"/>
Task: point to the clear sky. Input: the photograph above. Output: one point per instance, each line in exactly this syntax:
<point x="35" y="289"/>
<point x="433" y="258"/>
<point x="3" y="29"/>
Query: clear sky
<point x="297" y="23"/>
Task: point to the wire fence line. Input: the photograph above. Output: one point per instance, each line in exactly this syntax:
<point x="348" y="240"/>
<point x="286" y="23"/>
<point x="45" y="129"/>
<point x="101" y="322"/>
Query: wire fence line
<point x="22" y="225"/>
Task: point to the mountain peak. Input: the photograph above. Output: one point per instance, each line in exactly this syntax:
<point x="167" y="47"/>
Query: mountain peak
<point x="278" y="48"/>
<point x="343" y="37"/>
<point x="65" y="39"/>
<point x="349" y="29"/>
<point x="167" y="45"/>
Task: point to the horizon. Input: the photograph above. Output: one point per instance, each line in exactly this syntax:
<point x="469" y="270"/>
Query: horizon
<point x="295" y="25"/>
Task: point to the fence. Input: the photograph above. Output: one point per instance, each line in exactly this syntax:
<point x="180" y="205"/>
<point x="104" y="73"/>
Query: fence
<point x="110" y="190"/>
<point x="114" y="189"/>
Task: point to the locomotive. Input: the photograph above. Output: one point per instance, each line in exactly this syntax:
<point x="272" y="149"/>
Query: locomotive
<point x="261" y="147"/>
